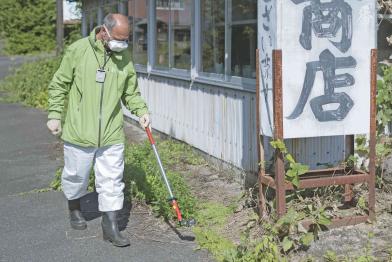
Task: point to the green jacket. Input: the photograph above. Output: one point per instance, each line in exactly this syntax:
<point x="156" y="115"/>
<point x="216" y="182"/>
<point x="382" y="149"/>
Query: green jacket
<point x="94" y="117"/>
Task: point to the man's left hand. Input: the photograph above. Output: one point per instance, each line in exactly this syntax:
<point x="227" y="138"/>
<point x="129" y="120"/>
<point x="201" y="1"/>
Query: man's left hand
<point x="144" y="121"/>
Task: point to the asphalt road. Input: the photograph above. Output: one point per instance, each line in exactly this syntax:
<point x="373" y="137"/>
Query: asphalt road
<point x="34" y="225"/>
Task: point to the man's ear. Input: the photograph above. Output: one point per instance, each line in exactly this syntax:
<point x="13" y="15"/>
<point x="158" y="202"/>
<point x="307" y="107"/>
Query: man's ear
<point x="103" y="33"/>
<point x="102" y="30"/>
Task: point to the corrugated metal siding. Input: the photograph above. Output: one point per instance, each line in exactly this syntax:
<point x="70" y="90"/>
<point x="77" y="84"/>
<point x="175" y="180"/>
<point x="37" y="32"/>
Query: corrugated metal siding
<point x="221" y="122"/>
<point x="317" y="152"/>
<point x="216" y="120"/>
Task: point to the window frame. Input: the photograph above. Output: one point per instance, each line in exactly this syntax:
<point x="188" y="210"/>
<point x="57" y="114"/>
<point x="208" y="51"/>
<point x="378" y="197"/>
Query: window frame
<point x="194" y="74"/>
<point x="139" y="67"/>
<point x="161" y="70"/>
<point x="240" y="81"/>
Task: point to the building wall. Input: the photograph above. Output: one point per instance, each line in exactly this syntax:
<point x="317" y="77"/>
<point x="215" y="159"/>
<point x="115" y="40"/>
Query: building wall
<point x="216" y="120"/>
<point x="216" y="117"/>
<point x="221" y="122"/>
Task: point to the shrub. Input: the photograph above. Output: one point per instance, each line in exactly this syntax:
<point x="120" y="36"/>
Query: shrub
<point x="29" y="83"/>
<point x="28" y="25"/>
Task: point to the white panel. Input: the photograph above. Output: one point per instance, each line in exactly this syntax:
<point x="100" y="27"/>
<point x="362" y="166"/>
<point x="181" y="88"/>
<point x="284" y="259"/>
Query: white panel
<point x="316" y="114"/>
<point x="266" y="43"/>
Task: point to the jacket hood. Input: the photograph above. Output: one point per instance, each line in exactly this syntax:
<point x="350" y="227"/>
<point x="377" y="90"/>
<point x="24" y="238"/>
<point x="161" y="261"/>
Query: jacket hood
<point x="98" y="44"/>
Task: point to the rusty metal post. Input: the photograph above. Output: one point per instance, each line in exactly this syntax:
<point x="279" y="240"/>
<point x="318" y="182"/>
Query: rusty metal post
<point x="372" y="139"/>
<point x="278" y="132"/>
<point x="260" y="148"/>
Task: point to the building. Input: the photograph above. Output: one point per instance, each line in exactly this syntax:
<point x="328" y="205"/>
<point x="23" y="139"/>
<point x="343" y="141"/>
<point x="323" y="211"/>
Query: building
<point x="196" y="68"/>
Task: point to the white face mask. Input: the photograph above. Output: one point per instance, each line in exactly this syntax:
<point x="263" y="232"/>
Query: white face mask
<point x="116" y="45"/>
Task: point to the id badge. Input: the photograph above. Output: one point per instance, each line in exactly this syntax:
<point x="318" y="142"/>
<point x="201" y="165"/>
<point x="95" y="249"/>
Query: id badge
<point x="100" y="76"/>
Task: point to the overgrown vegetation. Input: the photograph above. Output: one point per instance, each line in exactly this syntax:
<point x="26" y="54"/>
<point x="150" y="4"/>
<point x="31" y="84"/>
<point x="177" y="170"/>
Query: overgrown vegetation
<point x="285" y="236"/>
<point x="383" y="139"/>
<point x="294" y="169"/>
<point x="384" y="99"/>
<point x="29" y="83"/>
<point x="29" y="26"/>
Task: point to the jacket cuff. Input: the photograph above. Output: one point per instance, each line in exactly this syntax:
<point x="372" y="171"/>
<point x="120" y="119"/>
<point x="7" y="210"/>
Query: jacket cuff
<point x="54" y="115"/>
<point x="141" y="112"/>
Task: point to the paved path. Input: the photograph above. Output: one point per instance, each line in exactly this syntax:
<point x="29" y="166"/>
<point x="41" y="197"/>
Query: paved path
<point x="34" y="225"/>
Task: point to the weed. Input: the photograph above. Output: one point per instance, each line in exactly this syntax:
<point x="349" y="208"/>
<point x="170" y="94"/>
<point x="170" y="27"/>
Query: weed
<point x="25" y="86"/>
<point x="295" y="170"/>
<point x="212" y="217"/>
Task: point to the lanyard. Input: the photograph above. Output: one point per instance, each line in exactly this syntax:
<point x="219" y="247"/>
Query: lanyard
<point x="104" y="58"/>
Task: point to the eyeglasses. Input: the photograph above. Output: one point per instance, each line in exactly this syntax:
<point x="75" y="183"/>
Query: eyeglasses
<point x="122" y="40"/>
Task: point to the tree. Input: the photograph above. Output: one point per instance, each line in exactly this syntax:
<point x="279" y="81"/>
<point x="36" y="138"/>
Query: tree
<point x="28" y="26"/>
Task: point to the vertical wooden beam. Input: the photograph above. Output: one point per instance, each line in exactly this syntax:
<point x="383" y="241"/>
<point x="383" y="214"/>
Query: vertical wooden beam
<point x="59" y="27"/>
<point x="260" y="148"/>
<point x="278" y="133"/>
<point x="372" y="139"/>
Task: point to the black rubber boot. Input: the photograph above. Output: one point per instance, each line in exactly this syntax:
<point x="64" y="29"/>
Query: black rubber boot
<point x="76" y="219"/>
<point x="110" y="230"/>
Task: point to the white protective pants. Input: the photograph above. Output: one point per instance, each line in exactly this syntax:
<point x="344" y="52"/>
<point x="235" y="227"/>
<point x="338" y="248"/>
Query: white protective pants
<point x="108" y="168"/>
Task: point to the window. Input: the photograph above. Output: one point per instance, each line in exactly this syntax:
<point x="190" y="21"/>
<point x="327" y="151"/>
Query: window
<point x="213" y="36"/>
<point x="243" y="38"/>
<point x="123" y="7"/>
<point x="162" y="36"/>
<point x="234" y="34"/>
<point x="137" y="16"/>
<point x="173" y="34"/>
<point x="162" y="4"/>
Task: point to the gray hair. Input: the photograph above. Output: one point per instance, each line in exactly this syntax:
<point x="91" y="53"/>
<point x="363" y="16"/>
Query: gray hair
<point x="109" y="22"/>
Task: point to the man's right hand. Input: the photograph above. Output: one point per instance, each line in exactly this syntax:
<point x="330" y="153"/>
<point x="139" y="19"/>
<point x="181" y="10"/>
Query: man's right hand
<point x="54" y="126"/>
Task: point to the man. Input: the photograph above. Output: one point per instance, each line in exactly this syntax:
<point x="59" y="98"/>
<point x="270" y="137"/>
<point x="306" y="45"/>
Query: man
<point x="97" y="74"/>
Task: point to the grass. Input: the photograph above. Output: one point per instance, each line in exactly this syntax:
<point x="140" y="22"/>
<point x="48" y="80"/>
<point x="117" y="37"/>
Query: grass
<point x="212" y="218"/>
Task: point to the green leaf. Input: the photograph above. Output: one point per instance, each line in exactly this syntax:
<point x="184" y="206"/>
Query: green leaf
<point x="306" y="239"/>
<point x="290" y="158"/>
<point x="295" y="181"/>
<point x="290" y="174"/>
<point x="279" y="144"/>
<point x="288" y="218"/>
<point x="302" y="169"/>
<point x="361" y="202"/>
<point x="323" y="219"/>
<point x="287" y="243"/>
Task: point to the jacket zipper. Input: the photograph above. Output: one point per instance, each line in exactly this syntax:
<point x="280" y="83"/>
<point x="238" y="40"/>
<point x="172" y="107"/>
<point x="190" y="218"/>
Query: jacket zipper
<point x="101" y="99"/>
<point x="100" y="116"/>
